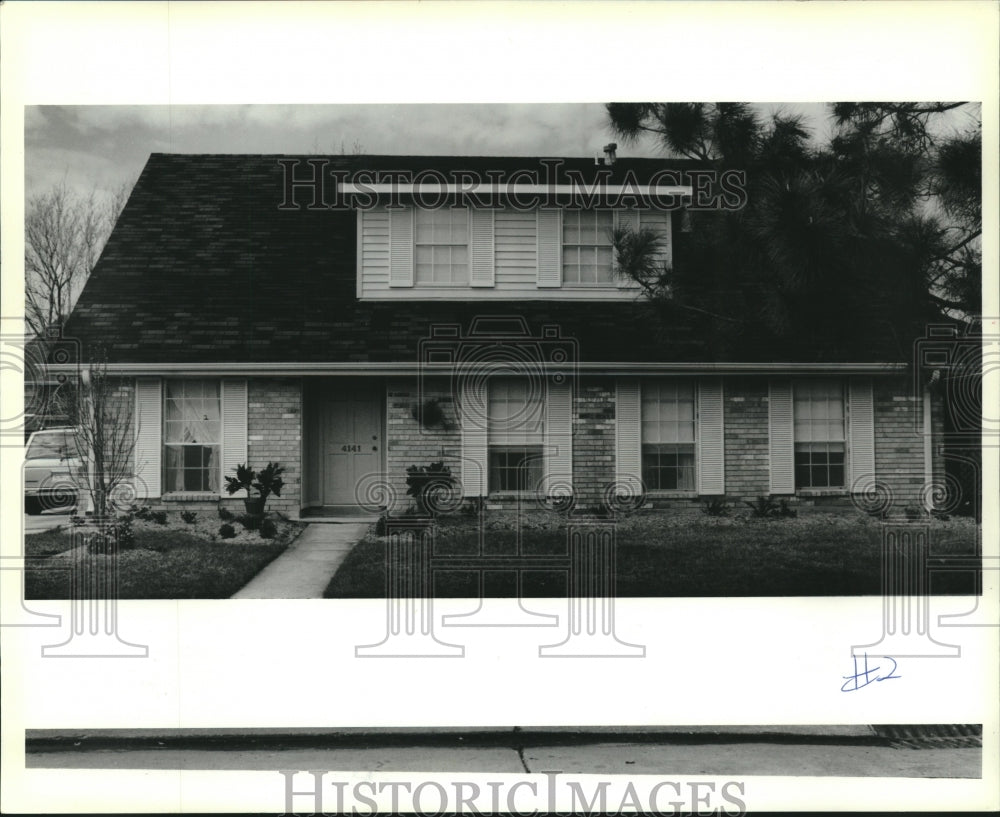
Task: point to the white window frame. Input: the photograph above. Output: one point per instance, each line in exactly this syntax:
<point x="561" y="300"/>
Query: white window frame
<point x="417" y="244"/>
<point x="644" y="389"/>
<point x="165" y="443"/>
<point x="610" y="282"/>
<point x="799" y="444"/>
<point x="498" y="440"/>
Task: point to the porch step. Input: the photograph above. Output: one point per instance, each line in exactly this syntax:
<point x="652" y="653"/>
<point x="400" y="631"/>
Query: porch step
<point x="337" y="514"/>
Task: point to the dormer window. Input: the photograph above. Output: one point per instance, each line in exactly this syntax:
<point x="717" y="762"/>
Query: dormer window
<point x="484" y="253"/>
<point x="587" y="250"/>
<point x="441" y="246"/>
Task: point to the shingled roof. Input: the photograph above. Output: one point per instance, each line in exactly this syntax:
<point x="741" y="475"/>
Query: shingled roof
<point x="203" y="267"/>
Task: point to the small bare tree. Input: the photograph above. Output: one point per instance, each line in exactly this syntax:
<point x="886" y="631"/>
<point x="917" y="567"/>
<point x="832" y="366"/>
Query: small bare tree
<point x="105" y="436"/>
<point x="64" y="235"/>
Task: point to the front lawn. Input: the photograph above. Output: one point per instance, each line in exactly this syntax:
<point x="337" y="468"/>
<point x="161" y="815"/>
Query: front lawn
<point x="177" y="560"/>
<point x="668" y="556"/>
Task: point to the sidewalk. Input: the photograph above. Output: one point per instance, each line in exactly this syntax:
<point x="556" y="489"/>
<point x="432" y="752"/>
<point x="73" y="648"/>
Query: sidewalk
<point x="304" y="570"/>
<point x="821" y="750"/>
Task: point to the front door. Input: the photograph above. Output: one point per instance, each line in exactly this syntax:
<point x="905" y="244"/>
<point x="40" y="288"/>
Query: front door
<point x="351" y="440"/>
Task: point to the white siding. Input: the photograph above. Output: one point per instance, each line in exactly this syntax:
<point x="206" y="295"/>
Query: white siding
<point x="659" y="220"/>
<point x="559" y="438"/>
<point x="628" y="450"/>
<point x="481" y="253"/>
<point x="401" y="248"/>
<point x="234" y="430"/>
<point x="473" y="414"/>
<point x="781" y="437"/>
<point x="626" y="220"/>
<point x="549" y="243"/>
<point x="374" y="248"/>
<point x="148" y="437"/>
<point x="711" y="438"/>
<point x="515" y="252"/>
<point x="516" y="249"/>
<point x="861" y="431"/>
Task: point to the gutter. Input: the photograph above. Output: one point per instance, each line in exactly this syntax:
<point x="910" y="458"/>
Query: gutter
<point x="429" y="368"/>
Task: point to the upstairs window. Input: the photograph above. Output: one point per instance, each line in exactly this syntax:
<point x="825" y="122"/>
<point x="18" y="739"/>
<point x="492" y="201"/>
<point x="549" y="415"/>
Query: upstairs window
<point x="192" y="435"/>
<point x="515" y="434"/>
<point x="668" y="436"/>
<point x="586" y="247"/>
<point x="819" y="434"/>
<point x="441" y="246"/>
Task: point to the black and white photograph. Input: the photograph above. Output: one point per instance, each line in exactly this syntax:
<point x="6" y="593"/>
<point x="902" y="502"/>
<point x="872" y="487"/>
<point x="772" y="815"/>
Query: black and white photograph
<point x="343" y="411"/>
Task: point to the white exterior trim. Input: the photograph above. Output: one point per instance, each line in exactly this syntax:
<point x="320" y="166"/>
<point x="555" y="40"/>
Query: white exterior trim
<point x="381" y="369"/>
<point x="515" y="189"/>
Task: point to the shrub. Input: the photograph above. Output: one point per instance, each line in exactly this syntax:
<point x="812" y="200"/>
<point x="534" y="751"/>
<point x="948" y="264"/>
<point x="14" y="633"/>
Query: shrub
<point x="249" y="521"/>
<point x="126" y="535"/>
<point x="226" y="515"/>
<point x="159" y="517"/>
<point x="189" y="516"/>
<point x="266" y="482"/>
<point x="766" y="507"/>
<point x="380" y="525"/>
<point x="716" y="506"/>
<point x="103" y="542"/>
<point x="429" y="414"/>
<point x="226" y="531"/>
<point x="474" y="506"/>
<point x="141" y="512"/>
<point x="424" y="481"/>
<point x="268" y="530"/>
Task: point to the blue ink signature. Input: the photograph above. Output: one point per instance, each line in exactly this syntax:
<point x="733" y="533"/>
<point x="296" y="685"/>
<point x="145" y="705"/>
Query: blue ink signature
<point x="852" y="683"/>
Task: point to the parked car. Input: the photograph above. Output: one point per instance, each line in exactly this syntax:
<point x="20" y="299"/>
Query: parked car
<point x="52" y="471"/>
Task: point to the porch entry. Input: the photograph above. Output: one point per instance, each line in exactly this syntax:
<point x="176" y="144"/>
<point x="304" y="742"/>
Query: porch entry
<point x="344" y="438"/>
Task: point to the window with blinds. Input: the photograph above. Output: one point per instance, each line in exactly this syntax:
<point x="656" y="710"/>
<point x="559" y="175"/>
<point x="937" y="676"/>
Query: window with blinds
<point x="819" y="434"/>
<point x="668" y="428"/>
<point x="515" y="434"/>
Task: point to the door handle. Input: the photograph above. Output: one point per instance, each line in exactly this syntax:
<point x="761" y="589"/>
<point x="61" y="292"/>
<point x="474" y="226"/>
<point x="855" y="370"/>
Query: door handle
<point x="374" y="448"/>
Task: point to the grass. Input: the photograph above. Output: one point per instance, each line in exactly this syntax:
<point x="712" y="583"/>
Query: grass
<point x="166" y="563"/>
<point x="659" y="556"/>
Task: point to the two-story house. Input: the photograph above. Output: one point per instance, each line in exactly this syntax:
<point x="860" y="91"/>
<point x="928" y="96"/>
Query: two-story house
<point x="351" y="316"/>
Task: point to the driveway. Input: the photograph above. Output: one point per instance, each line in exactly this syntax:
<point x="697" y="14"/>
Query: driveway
<point x="45" y="521"/>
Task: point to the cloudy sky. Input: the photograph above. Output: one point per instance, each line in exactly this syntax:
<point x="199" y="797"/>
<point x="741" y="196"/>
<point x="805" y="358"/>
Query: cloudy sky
<point x="103" y="146"/>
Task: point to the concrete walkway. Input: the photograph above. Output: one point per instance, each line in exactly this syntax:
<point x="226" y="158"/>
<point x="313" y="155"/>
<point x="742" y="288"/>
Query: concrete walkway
<point x="305" y="569"/>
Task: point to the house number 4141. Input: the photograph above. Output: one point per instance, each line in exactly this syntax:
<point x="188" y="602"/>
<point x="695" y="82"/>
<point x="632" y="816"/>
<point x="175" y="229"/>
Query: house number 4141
<point x="350" y="448"/>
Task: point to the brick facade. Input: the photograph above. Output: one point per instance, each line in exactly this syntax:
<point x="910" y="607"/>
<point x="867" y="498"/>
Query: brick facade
<point x="408" y="442"/>
<point x="745" y="428"/>
<point x="593" y="440"/>
<point x="899" y="442"/>
<point x="275" y="432"/>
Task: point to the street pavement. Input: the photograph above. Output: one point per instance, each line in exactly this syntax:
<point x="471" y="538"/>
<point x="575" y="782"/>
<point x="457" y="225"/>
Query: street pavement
<point x="37" y="523"/>
<point x="821" y="751"/>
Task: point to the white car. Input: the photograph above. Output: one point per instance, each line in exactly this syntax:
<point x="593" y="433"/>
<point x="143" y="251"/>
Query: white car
<point x="52" y="471"/>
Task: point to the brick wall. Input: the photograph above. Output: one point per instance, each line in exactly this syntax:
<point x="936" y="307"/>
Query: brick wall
<point x="593" y="440"/>
<point x="274" y="434"/>
<point x="410" y="443"/>
<point x="745" y="427"/>
<point x="899" y="444"/>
